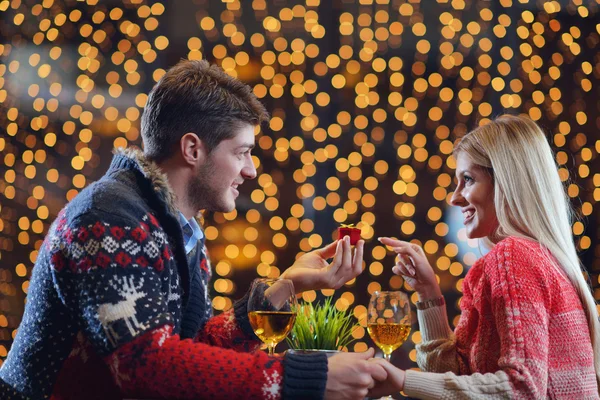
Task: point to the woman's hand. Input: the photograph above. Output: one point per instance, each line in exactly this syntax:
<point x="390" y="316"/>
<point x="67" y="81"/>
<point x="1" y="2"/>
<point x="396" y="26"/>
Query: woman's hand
<point x="394" y="382"/>
<point x="312" y="271"/>
<point x="412" y="264"/>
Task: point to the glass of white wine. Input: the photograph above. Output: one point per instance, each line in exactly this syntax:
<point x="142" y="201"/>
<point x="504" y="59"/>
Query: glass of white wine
<point x="272" y="310"/>
<point x="389" y="320"/>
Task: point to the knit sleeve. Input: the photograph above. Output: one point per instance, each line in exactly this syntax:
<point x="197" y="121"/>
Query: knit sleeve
<point x="231" y="329"/>
<point x="107" y="271"/>
<point x="437" y="350"/>
<point x="160" y="365"/>
<point x="520" y="302"/>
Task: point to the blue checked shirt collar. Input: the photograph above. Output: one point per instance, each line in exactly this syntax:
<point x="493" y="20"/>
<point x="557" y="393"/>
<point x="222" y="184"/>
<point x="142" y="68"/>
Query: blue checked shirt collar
<point x="192" y="233"/>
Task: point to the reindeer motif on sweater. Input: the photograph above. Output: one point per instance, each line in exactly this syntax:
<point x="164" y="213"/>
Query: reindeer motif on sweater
<point x="109" y="313"/>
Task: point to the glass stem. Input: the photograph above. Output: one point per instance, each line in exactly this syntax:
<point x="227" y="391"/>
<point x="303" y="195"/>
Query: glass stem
<point x="271" y="347"/>
<point x="387" y="356"/>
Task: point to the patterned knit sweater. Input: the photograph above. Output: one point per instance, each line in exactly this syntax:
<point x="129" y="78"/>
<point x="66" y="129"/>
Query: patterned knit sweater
<point x="522" y="334"/>
<point x="113" y="309"/>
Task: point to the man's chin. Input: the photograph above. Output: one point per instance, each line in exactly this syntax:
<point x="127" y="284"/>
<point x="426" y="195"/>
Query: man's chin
<point x="226" y="207"/>
<point x="229" y="209"/>
<point x="222" y="205"/>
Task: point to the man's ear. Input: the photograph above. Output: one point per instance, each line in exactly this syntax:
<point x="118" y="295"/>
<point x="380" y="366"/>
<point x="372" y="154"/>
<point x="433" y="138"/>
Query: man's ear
<point x="193" y="149"/>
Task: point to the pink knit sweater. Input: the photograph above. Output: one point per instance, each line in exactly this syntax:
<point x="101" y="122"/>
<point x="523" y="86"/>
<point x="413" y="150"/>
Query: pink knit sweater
<point x="522" y="334"/>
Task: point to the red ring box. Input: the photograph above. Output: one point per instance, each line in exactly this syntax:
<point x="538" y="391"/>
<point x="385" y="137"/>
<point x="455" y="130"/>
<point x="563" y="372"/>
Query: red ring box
<point x="354" y="234"/>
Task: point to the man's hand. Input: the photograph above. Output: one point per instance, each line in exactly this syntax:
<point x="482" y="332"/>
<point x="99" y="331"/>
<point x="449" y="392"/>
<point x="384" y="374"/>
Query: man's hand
<point x="311" y="271"/>
<point x="394" y="382"/>
<point x="350" y="376"/>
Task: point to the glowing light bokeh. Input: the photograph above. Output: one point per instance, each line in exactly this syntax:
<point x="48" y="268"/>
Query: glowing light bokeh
<point x="366" y="99"/>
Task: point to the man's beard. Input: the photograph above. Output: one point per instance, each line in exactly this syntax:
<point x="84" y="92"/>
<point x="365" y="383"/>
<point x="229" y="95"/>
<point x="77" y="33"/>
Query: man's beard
<point x="201" y="195"/>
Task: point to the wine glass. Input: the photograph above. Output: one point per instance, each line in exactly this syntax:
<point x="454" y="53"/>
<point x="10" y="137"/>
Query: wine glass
<point x="272" y="310"/>
<point x="389" y="320"/>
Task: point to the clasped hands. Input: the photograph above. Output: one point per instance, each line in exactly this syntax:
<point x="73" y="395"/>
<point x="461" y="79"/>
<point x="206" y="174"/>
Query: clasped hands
<point x="354" y="376"/>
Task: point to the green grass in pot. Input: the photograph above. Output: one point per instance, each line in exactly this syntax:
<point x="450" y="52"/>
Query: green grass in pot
<point x="321" y="327"/>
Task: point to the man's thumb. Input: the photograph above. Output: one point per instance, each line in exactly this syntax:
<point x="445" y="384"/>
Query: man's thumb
<point x="367" y="354"/>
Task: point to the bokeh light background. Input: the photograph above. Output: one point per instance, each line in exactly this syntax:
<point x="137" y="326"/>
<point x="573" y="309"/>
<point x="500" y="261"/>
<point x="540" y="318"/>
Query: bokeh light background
<point x="367" y="98"/>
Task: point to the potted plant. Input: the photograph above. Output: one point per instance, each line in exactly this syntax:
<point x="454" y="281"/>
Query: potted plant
<point x="321" y="328"/>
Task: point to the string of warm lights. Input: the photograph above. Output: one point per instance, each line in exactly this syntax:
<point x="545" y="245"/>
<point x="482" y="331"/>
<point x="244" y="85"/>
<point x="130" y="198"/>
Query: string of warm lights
<point x="367" y="98"/>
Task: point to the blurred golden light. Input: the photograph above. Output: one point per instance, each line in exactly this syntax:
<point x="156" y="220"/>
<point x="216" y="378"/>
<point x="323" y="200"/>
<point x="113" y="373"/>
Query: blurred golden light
<point x="362" y="129"/>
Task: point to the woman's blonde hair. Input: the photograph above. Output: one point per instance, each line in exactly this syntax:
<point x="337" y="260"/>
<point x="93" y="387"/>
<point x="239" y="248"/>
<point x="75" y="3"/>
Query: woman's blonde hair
<point x="530" y="199"/>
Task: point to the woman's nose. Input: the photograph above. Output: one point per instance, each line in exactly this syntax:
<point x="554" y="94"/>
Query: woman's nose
<point x="457" y="198"/>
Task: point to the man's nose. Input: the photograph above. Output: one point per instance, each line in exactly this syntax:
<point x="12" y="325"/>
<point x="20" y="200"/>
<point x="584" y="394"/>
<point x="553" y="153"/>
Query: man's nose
<point x="249" y="171"/>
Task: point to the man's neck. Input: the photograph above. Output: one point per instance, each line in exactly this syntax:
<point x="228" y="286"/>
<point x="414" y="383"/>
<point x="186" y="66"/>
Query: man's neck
<point x="178" y="182"/>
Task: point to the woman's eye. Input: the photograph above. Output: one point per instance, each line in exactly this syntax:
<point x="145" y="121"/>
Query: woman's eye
<point x="467" y="179"/>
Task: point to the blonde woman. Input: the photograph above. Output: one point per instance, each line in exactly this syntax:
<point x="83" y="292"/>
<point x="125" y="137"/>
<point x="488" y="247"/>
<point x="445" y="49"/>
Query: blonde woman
<point x="529" y="325"/>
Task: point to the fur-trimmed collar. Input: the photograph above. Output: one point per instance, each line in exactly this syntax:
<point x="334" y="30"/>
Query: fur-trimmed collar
<point x="160" y="182"/>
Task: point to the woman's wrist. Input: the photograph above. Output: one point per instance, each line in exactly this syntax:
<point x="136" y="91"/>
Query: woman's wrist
<point x="402" y="380"/>
<point x="429" y="294"/>
<point x="437" y="302"/>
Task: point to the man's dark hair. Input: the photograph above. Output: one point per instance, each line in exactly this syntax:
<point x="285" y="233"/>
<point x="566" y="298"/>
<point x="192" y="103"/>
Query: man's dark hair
<point x="194" y="96"/>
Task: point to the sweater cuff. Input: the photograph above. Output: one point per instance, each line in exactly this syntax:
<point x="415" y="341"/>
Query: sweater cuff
<point x="424" y="385"/>
<point x="240" y="309"/>
<point x="10" y="392"/>
<point x="433" y="323"/>
<point x="304" y="376"/>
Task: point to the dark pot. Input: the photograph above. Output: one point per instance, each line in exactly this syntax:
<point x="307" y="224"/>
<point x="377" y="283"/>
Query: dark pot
<point x="328" y="353"/>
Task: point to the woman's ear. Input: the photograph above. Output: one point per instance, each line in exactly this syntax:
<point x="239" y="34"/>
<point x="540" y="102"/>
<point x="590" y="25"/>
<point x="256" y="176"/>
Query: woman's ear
<point x="193" y="149"/>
